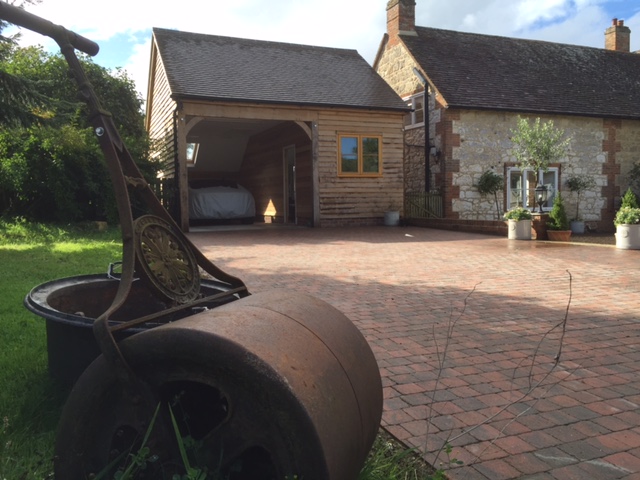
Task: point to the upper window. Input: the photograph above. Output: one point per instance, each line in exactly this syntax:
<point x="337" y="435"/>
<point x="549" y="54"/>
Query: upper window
<point x="416" y="116"/>
<point x="521" y="185"/>
<point x="192" y="153"/>
<point x="360" y="155"/>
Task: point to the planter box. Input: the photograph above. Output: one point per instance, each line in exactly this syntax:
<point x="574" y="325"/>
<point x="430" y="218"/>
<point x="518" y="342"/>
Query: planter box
<point x="519" y="229"/>
<point x="628" y="237"/>
<point x="559" y="235"/>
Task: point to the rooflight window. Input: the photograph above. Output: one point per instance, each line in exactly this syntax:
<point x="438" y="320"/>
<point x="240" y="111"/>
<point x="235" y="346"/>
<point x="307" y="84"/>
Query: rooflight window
<point x="192" y="153"/>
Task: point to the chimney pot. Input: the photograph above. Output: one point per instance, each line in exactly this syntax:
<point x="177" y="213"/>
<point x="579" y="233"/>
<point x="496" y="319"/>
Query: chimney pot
<point x="617" y="37"/>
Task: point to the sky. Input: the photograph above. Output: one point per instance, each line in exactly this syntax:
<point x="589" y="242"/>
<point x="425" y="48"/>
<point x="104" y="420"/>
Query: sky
<point x="122" y="28"/>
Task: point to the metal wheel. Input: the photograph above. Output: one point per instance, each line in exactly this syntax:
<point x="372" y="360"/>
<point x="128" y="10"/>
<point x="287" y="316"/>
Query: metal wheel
<point x="270" y="386"/>
<point x="165" y="260"/>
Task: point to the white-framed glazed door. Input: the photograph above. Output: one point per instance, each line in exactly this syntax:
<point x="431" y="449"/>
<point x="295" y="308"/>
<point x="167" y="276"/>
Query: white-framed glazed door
<point x="289" y="157"/>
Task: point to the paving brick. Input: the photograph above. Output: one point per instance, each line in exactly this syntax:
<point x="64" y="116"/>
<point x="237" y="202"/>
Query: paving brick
<point x="399" y="285"/>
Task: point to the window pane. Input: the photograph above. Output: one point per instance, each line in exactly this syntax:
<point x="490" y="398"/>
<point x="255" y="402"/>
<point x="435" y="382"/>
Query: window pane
<point x="370" y="155"/>
<point x="349" y="155"/>
<point x="550" y="180"/>
<point x="515" y="188"/>
<point x="530" y="189"/>
<point x="419" y="109"/>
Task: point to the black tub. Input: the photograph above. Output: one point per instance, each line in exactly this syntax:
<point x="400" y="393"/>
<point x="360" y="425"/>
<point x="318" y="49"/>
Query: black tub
<point x="71" y="305"/>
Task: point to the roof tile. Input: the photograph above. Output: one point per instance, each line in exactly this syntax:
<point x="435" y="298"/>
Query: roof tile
<point x="490" y="72"/>
<point x="234" y="69"/>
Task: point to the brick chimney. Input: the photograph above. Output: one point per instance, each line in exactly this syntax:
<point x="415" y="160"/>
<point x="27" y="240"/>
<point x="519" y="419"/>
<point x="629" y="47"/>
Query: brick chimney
<point x="617" y="37"/>
<point x="401" y="19"/>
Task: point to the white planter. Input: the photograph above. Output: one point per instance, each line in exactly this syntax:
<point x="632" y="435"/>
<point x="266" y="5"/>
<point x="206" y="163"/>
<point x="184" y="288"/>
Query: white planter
<point x="519" y="229"/>
<point x="628" y="237"/>
<point x="392" y="218"/>
<point x="577" y="226"/>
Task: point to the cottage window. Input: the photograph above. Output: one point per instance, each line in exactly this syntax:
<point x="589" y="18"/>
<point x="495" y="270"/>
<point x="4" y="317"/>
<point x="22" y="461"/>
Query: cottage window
<point x="415" y="117"/>
<point x="521" y="186"/>
<point x="192" y="153"/>
<point x="360" y="155"/>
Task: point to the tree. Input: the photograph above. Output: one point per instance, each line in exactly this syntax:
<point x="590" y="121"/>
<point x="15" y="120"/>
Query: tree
<point x="538" y="145"/>
<point x="19" y="99"/>
<point x="54" y="169"/>
<point x="491" y="183"/>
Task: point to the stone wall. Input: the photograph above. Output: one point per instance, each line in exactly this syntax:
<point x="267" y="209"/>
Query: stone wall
<point x="485" y="144"/>
<point x="473" y="141"/>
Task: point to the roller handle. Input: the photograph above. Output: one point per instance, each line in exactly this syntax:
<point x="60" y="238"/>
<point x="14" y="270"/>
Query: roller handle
<point x="21" y="18"/>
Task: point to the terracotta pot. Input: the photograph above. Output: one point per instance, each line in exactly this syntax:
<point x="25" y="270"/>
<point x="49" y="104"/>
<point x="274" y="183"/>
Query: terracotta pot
<point x="559" y="235"/>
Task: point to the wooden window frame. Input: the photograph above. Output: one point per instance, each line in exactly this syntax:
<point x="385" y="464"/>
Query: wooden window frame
<point x="360" y="173"/>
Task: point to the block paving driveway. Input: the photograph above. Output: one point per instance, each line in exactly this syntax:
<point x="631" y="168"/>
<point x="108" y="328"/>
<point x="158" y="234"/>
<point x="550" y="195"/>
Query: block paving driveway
<point x="469" y="336"/>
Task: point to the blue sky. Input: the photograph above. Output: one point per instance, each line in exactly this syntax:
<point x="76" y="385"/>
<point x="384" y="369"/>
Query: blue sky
<point x="123" y="28"/>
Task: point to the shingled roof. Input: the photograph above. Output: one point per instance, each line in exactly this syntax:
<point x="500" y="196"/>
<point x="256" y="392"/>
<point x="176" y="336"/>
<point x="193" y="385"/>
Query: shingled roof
<point x="220" y="68"/>
<point x="500" y="73"/>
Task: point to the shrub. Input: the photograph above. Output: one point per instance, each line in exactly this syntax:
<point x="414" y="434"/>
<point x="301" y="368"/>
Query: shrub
<point x="627" y="216"/>
<point x="517" y="213"/>
<point x="558" y="216"/>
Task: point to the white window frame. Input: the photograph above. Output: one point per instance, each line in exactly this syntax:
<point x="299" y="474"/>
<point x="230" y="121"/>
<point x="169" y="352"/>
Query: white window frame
<point x="413" y="102"/>
<point x="524" y="196"/>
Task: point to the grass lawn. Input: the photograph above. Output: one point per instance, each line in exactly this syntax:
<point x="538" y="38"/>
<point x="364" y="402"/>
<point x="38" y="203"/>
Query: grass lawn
<point x="30" y="402"/>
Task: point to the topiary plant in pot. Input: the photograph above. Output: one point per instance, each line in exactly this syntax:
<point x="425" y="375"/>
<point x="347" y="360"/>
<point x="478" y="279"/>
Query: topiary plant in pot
<point x="579" y="184"/>
<point x="558" y="224"/>
<point x="627" y="222"/>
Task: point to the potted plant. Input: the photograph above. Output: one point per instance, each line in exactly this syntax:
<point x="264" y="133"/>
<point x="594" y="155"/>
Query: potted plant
<point x="490" y="183"/>
<point x="627" y="222"/>
<point x="578" y="184"/>
<point x="518" y="223"/>
<point x="558" y="224"/>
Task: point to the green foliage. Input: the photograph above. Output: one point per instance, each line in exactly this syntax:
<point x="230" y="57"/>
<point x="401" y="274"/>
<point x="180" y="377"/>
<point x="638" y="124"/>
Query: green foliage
<point x="53" y="174"/>
<point x="558" y="216"/>
<point x="578" y="184"/>
<point x="490" y="183"/>
<point x="389" y="460"/>
<point x="629" y="199"/>
<point x="517" y="213"/>
<point x="30" y="401"/>
<point x="627" y="216"/>
<point x="538" y="145"/>
<point x="52" y="169"/>
<point x="19" y="97"/>
<point x="629" y="213"/>
<point x="633" y="176"/>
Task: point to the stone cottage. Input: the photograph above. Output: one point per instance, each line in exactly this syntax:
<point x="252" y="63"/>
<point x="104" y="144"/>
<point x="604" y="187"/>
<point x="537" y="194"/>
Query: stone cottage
<point x="478" y="85"/>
